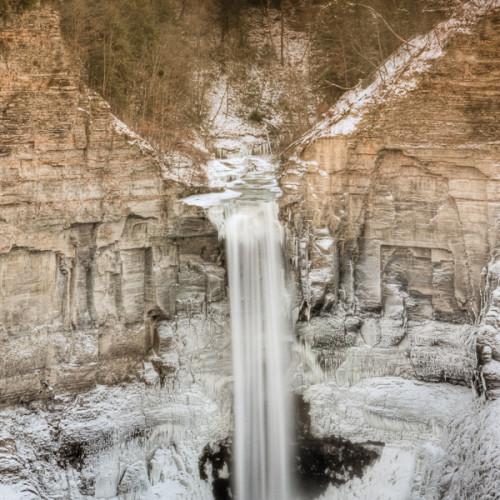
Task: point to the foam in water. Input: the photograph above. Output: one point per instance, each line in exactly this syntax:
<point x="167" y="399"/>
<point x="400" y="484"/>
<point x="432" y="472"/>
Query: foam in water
<point x="260" y="332"/>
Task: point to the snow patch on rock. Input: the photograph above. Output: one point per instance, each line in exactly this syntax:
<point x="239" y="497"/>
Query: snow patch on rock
<point x="397" y="76"/>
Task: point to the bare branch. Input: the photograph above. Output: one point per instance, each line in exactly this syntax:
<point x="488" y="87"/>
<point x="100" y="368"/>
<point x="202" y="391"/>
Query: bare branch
<point x="386" y="23"/>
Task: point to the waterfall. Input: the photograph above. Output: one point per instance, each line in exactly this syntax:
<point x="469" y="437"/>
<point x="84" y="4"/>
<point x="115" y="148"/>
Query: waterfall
<point x="261" y="341"/>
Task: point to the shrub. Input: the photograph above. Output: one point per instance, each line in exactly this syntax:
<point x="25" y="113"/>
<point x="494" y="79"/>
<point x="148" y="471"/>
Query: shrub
<point x="15" y="6"/>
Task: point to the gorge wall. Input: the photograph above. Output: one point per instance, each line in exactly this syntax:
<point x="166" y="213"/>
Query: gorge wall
<point x="105" y="280"/>
<point x="398" y="217"/>
<point x="94" y="250"/>
<point x="391" y="208"/>
<point x="114" y="342"/>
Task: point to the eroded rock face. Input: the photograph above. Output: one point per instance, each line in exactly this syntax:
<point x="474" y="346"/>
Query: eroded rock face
<point x="391" y="214"/>
<point x="114" y="338"/>
<point x="394" y="220"/>
<point x="95" y="253"/>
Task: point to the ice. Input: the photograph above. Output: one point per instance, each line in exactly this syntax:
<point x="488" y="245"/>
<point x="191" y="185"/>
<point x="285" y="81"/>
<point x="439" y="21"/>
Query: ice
<point x="210" y="199"/>
<point x="386" y="409"/>
<point x="414" y="420"/>
<point x="473" y="457"/>
<point x="172" y="478"/>
<point x="119" y="426"/>
<point x="134" y="484"/>
<point x="390" y="478"/>
<point x="249" y="177"/>
<point x="13" y="493"/>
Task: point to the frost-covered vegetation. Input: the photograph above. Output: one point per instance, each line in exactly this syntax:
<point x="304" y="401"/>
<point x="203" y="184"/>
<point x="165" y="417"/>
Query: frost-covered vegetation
<point x="157" y="62"/>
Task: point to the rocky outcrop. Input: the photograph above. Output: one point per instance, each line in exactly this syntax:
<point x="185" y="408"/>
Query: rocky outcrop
<point x="105" y="277"/>
<point x="98" y="263"/>
<point x="391" y="213"/>
<point x="391" y="206"/>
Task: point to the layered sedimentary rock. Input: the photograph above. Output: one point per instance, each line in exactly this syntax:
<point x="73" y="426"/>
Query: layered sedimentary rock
<point x="391" y="208"/>
<point x="98" y="264"/>
<point x="105" y="277"/>
<point x="391" y="203"/>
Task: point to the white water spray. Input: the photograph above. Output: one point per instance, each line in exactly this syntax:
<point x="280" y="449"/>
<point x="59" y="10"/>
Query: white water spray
<point x="260" y="323"/>
<point x="260" y="329"/>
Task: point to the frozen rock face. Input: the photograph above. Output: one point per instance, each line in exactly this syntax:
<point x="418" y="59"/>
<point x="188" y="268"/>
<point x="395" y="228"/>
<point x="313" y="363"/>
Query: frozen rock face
<point x="391" y="210"/>
<point x="472" y="468"/>
<point x="113" y="308"/>
<point x="487" y="380"/>
<point x="410" y="417"/>
<point x="133" y="441"/>
<point x="97" y="262"/>
<point x="391" y="213"/>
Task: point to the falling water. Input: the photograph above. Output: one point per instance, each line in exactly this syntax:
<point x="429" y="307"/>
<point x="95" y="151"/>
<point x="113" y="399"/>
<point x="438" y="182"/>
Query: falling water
<point x="259" y="323"/>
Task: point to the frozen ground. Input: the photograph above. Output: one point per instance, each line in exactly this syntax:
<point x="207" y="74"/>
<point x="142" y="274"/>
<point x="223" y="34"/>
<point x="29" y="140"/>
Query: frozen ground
<point x="388" y="479"/>
<point x="132" y="442"/>
<point x="141" y="442"/>
<point x="414" y="420"/>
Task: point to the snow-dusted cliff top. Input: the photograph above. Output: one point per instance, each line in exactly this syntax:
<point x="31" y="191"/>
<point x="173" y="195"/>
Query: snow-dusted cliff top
<point x="398" y="76"/>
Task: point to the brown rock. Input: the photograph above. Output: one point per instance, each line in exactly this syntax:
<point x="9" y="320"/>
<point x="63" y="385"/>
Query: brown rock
<point x="93" y="247"/>
<point x="406" y="190"/>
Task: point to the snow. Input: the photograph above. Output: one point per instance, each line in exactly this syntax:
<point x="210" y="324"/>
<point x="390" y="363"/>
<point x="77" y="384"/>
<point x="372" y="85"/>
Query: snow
<point x="239" y="176"/>
<point x="397" y="76"/>
<point x="175" y="166"/>
<point x="230" y="128"/>
<point x="208" y="200"/>
<point x="473" y="461"/>
<point x="123" y="428"/>
<point x="413" y="419"/>
<point x="226" y="173"/>
<point x="389" y="478"/>
<point x="416" y="419"/>
<point x="12" y="493"/>
<point x="386" y="409"/>
<point x="132" y="138"/>
<point x="325" y="244"/>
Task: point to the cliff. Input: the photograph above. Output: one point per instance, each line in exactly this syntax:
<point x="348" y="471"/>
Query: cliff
<point x="391" y="203"/>
<point x="104" y="278"/>
<point x="115" y="373"/>
<point x="391" y="209"/>
<point x="94" y="250"/>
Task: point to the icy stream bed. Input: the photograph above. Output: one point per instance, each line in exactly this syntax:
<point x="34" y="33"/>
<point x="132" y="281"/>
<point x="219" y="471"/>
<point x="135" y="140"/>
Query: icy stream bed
<point x="250" y="177"/>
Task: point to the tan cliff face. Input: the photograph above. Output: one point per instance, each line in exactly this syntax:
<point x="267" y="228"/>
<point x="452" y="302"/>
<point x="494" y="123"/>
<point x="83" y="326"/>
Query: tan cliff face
<point x="105" y="277"/>
<point x="94" y="251"/>
<point x="395" y="218"/>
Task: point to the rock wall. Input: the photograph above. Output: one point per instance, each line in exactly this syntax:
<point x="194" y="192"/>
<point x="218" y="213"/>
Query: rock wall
<point x="98" y="262"/>
<point x="106" y="279"/>
<point x="392" y="204"/>
<point x="391" y="211"/>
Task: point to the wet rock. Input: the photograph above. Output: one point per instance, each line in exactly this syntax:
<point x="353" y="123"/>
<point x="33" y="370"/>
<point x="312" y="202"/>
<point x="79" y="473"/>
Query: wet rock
<point x="321" y="462"/>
